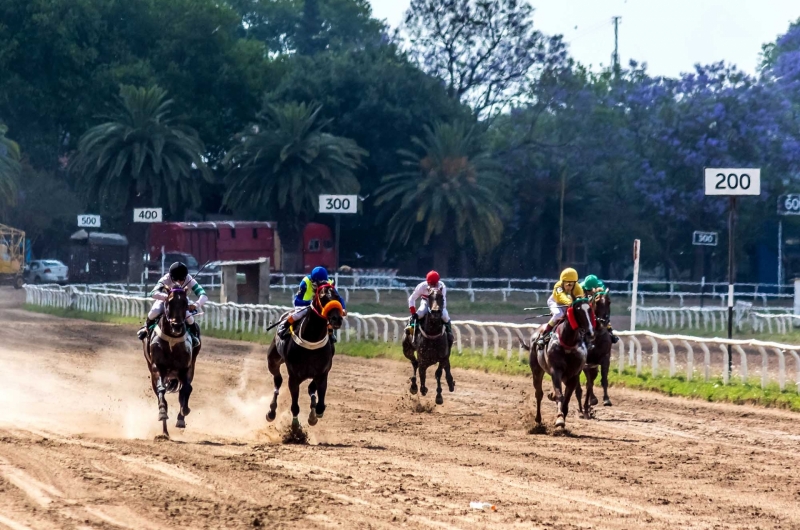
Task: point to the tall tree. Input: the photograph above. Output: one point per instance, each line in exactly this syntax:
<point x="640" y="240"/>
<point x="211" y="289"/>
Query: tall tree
<point x="280" y="165"/>
<point x="9" y="167"/>
<point x="449" y="194"/>
<point x="140" y="156"/>
<point x="487" y="52"/>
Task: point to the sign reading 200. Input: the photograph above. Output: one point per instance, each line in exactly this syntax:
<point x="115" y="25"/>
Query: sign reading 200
<point x="732" y="181"/>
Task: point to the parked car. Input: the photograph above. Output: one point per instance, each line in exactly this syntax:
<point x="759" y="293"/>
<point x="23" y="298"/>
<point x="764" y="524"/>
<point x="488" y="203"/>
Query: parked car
<point x="47" y="271"/>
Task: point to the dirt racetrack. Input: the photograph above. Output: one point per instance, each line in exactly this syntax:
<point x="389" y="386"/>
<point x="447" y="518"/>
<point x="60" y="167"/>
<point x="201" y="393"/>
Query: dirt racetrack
<point x="77" y="449"/>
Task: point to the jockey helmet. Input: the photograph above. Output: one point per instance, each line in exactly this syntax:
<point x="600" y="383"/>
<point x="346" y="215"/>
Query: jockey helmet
<point x="569" y="275"/>
<point x="178" y="271"/>
<point x="592" y="282"/>
<point x="432" y="278"/>
<point x="319" y="275"/>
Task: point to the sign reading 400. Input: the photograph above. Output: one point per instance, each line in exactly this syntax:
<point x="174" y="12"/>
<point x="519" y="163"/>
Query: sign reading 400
<point x="147" y="215"/>
<point x="338" y="204"/>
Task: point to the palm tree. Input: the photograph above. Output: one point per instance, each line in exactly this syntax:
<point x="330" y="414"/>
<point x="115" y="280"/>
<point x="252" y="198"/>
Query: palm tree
<point x="280" y="165"/>
<point x="9" y="166"/>
<point x="138" y="156"/>
<point x="450" y="190"/>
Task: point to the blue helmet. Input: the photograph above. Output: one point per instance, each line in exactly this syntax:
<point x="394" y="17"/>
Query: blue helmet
<point x="319" y="275"/>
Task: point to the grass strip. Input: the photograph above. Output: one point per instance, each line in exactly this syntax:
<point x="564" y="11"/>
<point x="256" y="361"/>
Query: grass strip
<point x="738" y="393"/>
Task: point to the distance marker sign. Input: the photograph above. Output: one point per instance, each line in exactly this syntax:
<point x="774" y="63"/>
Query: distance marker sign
<point x="89" y="221"/>
<point x="706" y="239"/>
<point x="147" y="215"/>
<point x="338" y="204"/>
<point x="732" y="181"/>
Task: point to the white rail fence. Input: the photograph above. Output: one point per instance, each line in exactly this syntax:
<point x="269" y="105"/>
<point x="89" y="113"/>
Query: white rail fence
<point x="498" y="339"/>
<point x="771" y="320"/>
<point x="535" y="289"/>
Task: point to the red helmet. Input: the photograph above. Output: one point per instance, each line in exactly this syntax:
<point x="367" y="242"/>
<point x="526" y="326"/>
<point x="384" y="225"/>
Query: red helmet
<point x="432" y="278"/>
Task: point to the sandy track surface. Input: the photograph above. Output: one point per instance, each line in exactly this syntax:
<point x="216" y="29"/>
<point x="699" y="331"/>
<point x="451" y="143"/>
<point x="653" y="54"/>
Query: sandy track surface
<point x="77" y="449"/>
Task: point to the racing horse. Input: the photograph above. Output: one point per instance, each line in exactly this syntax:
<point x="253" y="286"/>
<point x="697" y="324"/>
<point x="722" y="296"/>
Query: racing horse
<point x="170" y="357"/>
<point x="308" y="354"/>
<point x="598" y="355"/>
<point x="432" y="346"/>
<point x="563" y="358"/>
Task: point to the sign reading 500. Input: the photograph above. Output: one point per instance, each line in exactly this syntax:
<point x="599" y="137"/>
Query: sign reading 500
<point x="338" y="204"/>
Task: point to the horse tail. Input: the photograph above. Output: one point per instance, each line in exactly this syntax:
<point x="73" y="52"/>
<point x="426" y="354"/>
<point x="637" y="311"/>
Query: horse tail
<point x="522" y="340"/>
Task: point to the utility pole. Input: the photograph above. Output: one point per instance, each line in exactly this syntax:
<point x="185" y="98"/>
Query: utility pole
<point x="615" y="57"/>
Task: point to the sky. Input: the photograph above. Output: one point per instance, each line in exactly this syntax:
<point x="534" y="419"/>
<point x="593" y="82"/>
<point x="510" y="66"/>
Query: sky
<point x="671" y="36"/>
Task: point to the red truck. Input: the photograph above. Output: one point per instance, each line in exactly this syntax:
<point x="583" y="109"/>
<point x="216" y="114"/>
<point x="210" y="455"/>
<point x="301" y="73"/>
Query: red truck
<point x="240" y="240"/>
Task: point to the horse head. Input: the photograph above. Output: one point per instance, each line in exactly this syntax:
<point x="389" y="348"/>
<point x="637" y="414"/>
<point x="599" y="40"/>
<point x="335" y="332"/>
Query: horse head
<point x="581" y="317"/>
<point x="329" y="305"/>
<point x="601" y="303"/>
<point x="175" y="307"/>
<point x="435" y="303"/>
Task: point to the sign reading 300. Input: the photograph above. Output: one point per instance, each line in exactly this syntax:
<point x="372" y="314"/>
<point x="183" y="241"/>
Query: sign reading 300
<point x="338" y="204"/>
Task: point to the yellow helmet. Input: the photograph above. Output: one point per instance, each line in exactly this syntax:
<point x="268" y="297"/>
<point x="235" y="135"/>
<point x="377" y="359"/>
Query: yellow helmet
<point x="569" y="275"/>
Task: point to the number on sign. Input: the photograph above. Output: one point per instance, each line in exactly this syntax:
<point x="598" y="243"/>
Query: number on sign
<point x="338" y="204"/>
<point x="148" y="214"/>
<point x="792" y="203"/>
<point x="89" y="220"/>
<point x="733" y="181"/>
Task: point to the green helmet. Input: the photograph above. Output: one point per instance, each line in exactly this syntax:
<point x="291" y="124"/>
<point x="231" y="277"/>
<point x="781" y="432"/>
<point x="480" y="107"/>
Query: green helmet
<point x="592" y="282"/>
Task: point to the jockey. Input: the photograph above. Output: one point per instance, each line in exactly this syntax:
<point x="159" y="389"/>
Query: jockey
<point x="566" y="290"/>
<point x="421" y="291"/>
<point x="178" y="276"/>
<point x="304" y="297"/>
<point x="591" y="285"/>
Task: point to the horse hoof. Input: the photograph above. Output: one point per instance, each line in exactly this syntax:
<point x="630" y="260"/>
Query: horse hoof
<point x="185" y="411"/>
<point x="312" y="418"/>
<point x="439" y="399"/>
<point x="295" y="423"/>
<point x="162" y="415"/>
<point x="552" y="397"/>
<point x="423" y="391"/>
<point x="606" y="402"/>
<point x="451" y="386"/>
<point x="560" y="422"/>
<point x="271" y="415"/>
<point x="319" y="415"/>
<point x="593" y="401"/>
<point x="180" y="424"/>
<point x="413" y="390"/>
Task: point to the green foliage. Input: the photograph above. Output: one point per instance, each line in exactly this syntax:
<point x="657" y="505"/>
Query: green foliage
<point x="280" y="165"/>
<point x="9" y="167"/>
<point x="140" y="155"/>
<point x="450" y="187"/>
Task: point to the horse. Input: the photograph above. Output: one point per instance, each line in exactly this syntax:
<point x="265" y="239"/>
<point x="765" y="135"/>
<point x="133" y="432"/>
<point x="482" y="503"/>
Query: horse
<point x="432" y="346"/>
<point x="563" y="358"/>
<point x="171" y="358"/>
<point x="308" y="354"/>
<point x="598" y="355"/>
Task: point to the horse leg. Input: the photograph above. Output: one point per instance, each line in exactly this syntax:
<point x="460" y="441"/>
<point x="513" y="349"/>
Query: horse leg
<point x="604" y="380"/>
<point x="439" y="399"/>
<point x="294" y="390"/>
<point x="322" y="389"/>
<point x="579" y="396"/>
<point x="183" y="399"/>
<point x="558" y="396"/>
<point x="408" y="352"/>
<point x="538" y="377"/>
<point x="451" y="383"/>
<point x="423" y="369"/>
<point x="274" y="366"/>
<point x="312" y="394"/>
<point x="591" y="400"/>
<point x="569" y="387"/>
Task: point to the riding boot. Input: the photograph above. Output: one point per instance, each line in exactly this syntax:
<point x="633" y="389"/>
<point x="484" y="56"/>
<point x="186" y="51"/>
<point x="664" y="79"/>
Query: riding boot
<point x="194" y="331"/>
<point x="411" y="323"/>
<point x="544" y="337"/>
<point x="145" y="330"/>
<point x="448" y="327"/>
